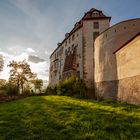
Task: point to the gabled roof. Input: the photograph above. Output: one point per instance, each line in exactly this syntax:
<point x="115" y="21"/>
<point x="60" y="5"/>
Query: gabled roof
<point x="88" y="15"/>
<point x="93" y="9"/>
<point x="127" y="42"/>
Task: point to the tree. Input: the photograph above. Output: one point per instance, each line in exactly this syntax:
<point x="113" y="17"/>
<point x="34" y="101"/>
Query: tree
<point x="2" y="82"/>
<point x="38" y="83"/>
<point x="1" y="63"/>
<point x="20" y="73"/>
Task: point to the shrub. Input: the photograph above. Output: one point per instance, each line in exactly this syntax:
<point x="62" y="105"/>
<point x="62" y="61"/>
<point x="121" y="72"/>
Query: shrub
<point x="11" y="89"/>
<point x="2" y="92"/>
<point x="79" y="88"/>
<point x="8" y="89"/>
<point x="51" y="90"/>
<point x="71" y="86"/>
<point x="27" y="89"/>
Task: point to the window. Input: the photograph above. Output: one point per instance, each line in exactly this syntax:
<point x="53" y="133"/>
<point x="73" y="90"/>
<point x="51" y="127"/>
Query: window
<point x="73" y="37"/>
<point x="95" y="14"/>
<point x="62" y="51"/>
<point x="73" y="47"/>
<point x="95" y="35"/>
<point x="66" y="43"/>
<point x="69" y="40"/>
<point x="66" y="52"/>
<point x="96" y="25"/>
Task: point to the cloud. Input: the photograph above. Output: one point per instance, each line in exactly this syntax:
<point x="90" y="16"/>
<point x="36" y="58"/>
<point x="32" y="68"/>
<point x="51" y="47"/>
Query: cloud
<point x="35" y="59"/>
<point x="39" y="67"/>
<point x="30" y="50"/>
<point x="48" y="52"/>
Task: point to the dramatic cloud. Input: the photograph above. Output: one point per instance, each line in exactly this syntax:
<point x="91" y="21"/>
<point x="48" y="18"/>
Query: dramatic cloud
<point x="35" y="59"/>
<point x="39" y="68"/>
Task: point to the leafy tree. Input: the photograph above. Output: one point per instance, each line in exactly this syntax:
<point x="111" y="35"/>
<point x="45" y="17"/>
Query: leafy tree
<point x="20" y="73"/>
<point x="2" y="87"/>
<point x="38" y="83"/>
<point x="2" y="82"/>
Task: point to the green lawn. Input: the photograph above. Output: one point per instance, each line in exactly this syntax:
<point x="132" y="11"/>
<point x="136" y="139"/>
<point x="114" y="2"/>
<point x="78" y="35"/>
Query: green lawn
<point x="65" y="118"/>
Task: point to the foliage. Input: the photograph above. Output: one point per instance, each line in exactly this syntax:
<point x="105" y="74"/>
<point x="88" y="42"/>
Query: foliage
<point x="66" y="118"/>
<point x="28" y="89"/>
<point x="2" y="82"/>
<point x="1" y="63"/>
<point x="51" y="90"/>
<point x="38" y="83"/>
<point x="20" y="73"/>
<point x="72" y="86"/>
<point x="7" y="88"/>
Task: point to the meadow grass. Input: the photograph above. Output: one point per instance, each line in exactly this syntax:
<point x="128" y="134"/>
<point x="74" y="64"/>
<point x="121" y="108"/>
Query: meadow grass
<point x="66" y="118"/>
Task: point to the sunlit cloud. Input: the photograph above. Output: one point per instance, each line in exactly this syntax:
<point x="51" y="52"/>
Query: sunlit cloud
<point x="38" y="68"/>
<point x="30" y="50"/>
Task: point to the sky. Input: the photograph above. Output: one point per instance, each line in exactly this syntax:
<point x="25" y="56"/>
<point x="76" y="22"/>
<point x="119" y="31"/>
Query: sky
<point x="31" y="29"/>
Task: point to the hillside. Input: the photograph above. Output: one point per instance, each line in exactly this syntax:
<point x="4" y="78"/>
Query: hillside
<point x="65" y="118"/>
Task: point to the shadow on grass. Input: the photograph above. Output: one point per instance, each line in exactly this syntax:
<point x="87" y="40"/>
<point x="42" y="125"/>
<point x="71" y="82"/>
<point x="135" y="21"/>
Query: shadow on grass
<point x="63" y="118"/>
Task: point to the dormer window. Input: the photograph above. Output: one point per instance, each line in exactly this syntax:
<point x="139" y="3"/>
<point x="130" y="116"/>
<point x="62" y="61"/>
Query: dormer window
<point x="95" y="14"/>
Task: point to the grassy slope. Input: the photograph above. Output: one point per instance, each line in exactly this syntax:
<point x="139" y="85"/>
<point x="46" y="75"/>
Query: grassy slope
<point x="65" y="118"/>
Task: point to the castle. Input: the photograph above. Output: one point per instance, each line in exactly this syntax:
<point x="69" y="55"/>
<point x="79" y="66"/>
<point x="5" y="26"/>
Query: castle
<point x="106" y="58"/>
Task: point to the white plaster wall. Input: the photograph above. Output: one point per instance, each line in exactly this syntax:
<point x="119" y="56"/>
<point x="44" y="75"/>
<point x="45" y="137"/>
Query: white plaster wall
<point x="88" y="30"/>
<point x="54" y="79"/>
<point x="75" y="42"/>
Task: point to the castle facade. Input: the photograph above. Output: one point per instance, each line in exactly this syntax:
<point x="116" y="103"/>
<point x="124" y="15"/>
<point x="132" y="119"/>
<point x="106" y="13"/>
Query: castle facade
<point x="101" y="56"/>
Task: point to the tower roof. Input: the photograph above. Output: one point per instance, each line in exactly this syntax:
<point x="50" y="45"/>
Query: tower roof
<point x="94" y="14"/>
<point x="93" y="9"/>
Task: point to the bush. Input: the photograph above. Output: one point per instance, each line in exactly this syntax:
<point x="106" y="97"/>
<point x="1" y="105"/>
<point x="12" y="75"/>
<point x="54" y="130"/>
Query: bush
<point x="27" y="89"/>
<point x="71" y="86"/>
<point x="11" y="90"/>
<point x="51" y="90"/>
<point x="2" y="92"/>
